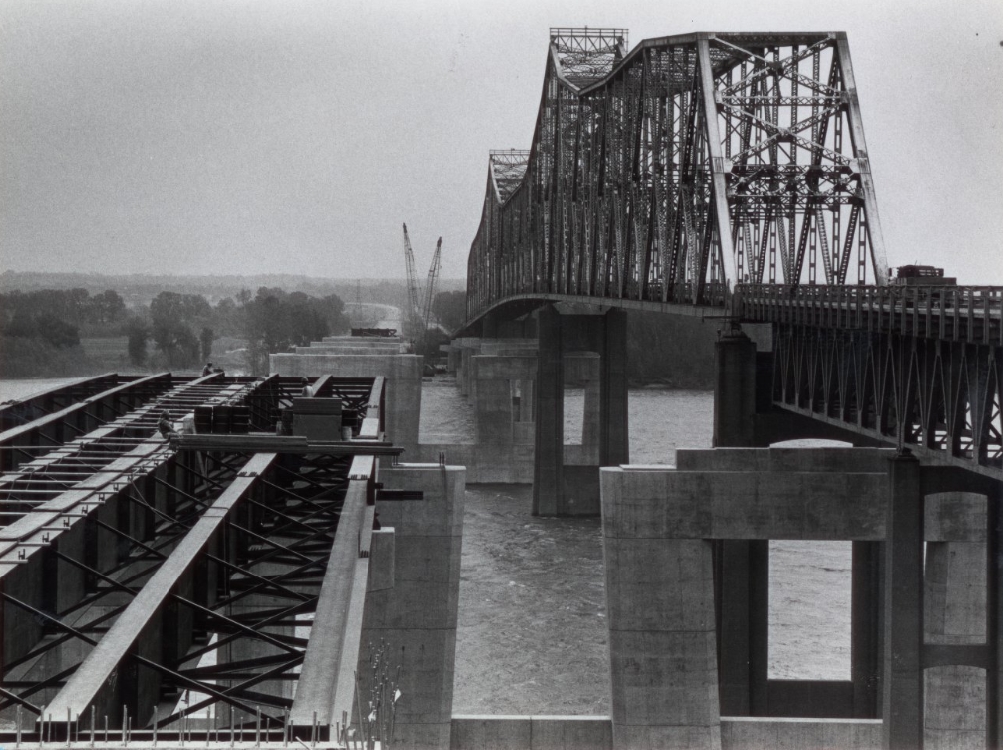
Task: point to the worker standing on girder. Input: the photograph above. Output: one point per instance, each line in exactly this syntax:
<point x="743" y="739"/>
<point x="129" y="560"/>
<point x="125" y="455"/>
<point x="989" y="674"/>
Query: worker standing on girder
<point x="166" y="426"/>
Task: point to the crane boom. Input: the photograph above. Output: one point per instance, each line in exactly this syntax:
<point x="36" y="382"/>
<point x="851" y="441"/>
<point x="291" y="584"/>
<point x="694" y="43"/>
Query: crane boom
<point x="433" y="278"/>
<point x="414" y="293"/>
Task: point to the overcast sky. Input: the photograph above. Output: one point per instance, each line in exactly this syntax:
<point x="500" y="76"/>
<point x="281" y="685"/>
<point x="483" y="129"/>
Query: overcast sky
<point x="295" y="136"/>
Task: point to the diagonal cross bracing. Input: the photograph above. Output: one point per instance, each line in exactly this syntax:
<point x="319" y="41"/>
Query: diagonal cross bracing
<point x="726" y="175"/>
<point x="83" y="688"/>
<point x="227" y="555"/>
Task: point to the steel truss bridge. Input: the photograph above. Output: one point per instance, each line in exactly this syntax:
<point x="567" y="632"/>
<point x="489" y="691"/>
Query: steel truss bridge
<point x="163" y="587"/>
<point x="726" y="174"/>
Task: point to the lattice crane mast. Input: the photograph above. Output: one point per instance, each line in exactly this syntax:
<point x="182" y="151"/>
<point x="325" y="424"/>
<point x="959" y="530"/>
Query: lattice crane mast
<point x="413" y="312"/>
<point x="419" y="303"/>
<point x="433" y="279"/>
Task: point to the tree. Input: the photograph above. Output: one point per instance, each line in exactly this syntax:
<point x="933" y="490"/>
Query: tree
<point x="107" y="307"/>
<point x="228" y="318"/>
<point x="138" y="333"/>
<point x="44" y="326"/>
<point x="275" y="321"/>
<point x="450" y="309"/>
<point x="205" y="340"/>
<point x="174" y="315"/>
<point x="57" y="332"/>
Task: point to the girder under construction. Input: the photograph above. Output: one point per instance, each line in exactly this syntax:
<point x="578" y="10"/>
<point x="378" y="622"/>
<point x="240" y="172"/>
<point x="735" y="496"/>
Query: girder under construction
<point x="161" y="584"/>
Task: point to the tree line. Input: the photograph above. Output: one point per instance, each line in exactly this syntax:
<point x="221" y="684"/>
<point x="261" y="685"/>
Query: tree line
<point x="182" y="327"/>
<point x="175" y="331"/>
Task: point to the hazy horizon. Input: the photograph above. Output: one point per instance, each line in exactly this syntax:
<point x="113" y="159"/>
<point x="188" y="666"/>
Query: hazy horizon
<point x="294" y="136"/>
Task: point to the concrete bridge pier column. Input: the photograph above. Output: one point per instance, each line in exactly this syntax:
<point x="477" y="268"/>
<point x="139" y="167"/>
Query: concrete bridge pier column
<point x="489" y="326"/>
<point x="504" y="440"/>
<point x="415" y="617"/>
<point x="590" y="419"/>
<point x="866" y="571"/>
<point x="614" y="448"/>
<point x="660" y="614"/>
<point x="548" y="469"/>
<point x="527" y="400"/>
<point x="742" y="567"/>
<point x="560" y="489"/>
<point x="741" y="596"/>
<point x="954" y="615"/>
<point x="735" y="390"/>
<point x="902" y="699"/>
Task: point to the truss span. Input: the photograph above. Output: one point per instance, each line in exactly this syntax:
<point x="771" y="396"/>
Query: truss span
<point x="727" y="175"/>
<point x="678" y="170"/>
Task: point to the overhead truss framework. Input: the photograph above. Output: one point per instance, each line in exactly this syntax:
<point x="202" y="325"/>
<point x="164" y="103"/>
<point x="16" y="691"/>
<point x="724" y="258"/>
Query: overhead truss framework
<point x="675" y="172"/>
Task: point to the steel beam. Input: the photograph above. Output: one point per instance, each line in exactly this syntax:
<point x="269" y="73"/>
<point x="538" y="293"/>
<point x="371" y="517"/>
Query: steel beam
<point x="93" y="676"/>
<point x="330" y="650"/>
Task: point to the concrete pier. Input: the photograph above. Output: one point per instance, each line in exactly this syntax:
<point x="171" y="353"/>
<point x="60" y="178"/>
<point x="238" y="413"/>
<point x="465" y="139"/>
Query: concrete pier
<point x="499" y="377"/>
<point x="341" y="357"/>
<point x="560" y="487"/>
<point x="658" y="528"/>
<point x="954" y="602"/>
<point x="416" y="617"/>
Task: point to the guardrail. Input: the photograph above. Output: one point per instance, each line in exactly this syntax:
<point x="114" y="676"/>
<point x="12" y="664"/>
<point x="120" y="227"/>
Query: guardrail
<point x="949" y="313"/>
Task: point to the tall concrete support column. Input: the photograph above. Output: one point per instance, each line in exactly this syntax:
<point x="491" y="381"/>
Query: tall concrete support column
<point x="528" y="400"/>
<point x="489" y="326"/>
<point x="735" y="391"/>
<point x="614" y="447"/>
<point x="548" y="470"/>
<point x="865" y="628"/>
<point x="955" y="615"/>
<point x="471" y="348"/>
<point x="660" y="613"/>
<point x="743" y="566"/>
<point x="902" y="703"/>
<point x="742" y="606"/>
<point x="416" y="617"/>
<point x="493" y="401"/>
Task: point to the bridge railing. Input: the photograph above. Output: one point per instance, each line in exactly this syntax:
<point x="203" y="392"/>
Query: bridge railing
<point x="949" y="313"/>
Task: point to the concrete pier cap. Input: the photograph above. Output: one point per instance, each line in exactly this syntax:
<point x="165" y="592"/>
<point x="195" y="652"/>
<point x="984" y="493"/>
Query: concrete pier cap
<point x="403" y="381"/>
<point x="673" y="670"/>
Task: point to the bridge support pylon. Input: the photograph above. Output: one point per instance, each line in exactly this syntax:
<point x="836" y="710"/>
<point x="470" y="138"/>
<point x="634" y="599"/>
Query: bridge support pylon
<point x="573" y="490"/>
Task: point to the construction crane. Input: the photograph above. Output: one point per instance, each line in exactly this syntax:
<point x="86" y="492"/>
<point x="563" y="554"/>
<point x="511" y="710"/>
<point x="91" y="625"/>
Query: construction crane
<point x="413" y="292"/>
<point x="419" y="312"/>
<point x="433" y="279"/>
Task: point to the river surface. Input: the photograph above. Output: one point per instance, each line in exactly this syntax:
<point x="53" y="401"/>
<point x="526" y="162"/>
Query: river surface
<point x="11" y="388"/>
<point x="532" y="635"/>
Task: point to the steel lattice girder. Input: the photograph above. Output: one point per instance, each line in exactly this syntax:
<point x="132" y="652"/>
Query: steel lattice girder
<point x="693" y="163"/>
<point x="268" y="534"/>
<point x="92" y="460"/>
<point x="282" y="560"/>
<point x="940" y="398"/>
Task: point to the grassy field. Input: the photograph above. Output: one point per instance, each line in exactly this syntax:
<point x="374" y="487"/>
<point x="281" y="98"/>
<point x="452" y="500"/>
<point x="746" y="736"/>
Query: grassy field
<point x="111" y="354"/>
